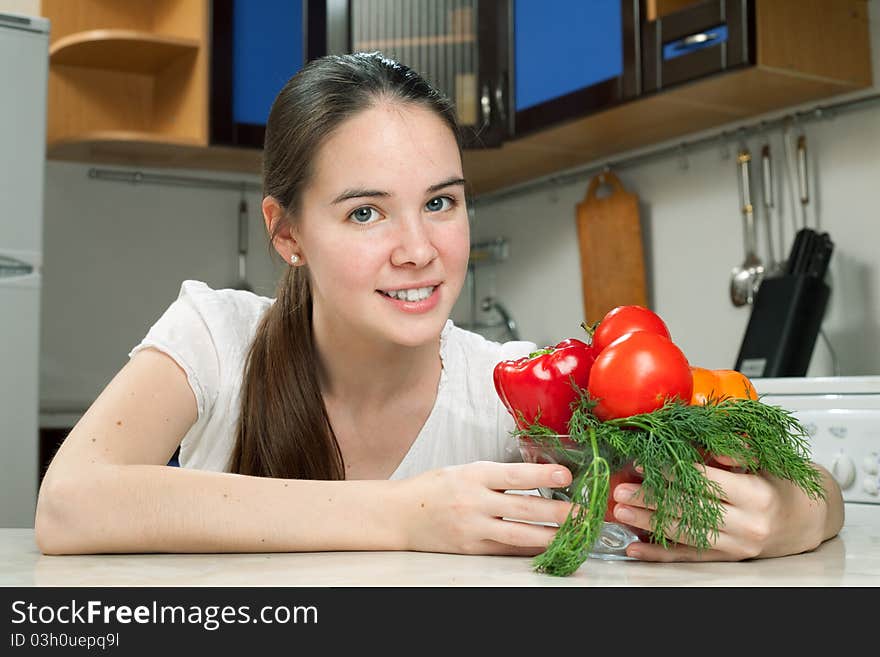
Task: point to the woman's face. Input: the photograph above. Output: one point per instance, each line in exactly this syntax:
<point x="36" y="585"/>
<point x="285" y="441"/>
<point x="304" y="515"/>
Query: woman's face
<point x="385" y="211"/>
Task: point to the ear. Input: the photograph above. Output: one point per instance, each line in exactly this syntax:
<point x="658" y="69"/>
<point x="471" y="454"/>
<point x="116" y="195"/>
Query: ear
<point x="285" y="241"/>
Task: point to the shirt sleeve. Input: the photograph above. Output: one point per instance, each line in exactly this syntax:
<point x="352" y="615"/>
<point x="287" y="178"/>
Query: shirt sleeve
<point x="183" y="334"/>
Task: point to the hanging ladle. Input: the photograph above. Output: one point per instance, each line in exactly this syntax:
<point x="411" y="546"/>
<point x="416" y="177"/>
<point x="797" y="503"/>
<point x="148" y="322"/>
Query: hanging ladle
<point x="745" y="279"/>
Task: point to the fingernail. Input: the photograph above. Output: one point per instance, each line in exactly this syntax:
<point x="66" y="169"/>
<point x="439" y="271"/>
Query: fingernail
<point x="623" y="492"/>
<point x="623" y="513"/>
<point x="559" y="476"/>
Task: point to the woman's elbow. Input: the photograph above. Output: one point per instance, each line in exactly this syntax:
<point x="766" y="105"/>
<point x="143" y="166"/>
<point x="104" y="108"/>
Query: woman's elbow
<point x="54" y="529"/>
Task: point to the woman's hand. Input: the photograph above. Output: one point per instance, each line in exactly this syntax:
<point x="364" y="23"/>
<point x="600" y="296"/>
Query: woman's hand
<point x="763" y="517"/>
<point x="459" y="509"/>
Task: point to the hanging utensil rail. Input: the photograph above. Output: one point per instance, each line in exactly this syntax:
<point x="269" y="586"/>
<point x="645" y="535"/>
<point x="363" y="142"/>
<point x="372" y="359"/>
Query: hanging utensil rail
<point x="139" y="177"/>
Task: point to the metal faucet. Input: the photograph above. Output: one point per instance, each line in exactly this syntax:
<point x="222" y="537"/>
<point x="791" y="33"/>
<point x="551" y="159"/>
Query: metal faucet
<point x="490" y="303"/>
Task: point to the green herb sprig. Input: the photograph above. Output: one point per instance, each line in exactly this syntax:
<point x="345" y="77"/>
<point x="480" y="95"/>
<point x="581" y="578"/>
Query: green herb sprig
<point x="669" y="445"/>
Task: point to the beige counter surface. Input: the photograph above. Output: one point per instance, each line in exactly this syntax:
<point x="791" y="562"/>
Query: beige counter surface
<point x="851" y="559"/>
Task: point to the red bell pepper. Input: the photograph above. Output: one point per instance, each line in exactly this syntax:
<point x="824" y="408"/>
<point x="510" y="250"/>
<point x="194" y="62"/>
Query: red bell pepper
<point x="538" y="388"/>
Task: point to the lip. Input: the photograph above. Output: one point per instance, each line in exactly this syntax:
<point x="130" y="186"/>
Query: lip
<point x="415" y="307"/>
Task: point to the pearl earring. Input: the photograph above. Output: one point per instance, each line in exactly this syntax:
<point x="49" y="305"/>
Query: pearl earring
<point x="294" y="259"/>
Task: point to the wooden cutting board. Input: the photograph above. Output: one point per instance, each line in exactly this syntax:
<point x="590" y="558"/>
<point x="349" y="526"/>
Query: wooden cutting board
<point x="611" y="251"/>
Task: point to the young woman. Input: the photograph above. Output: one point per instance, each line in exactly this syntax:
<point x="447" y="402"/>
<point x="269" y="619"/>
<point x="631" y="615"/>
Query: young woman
<point x="348" y="413"/>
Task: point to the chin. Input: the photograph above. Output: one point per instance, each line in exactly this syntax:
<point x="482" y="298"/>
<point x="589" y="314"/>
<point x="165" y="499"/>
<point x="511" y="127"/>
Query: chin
<point x="417" y="332"/>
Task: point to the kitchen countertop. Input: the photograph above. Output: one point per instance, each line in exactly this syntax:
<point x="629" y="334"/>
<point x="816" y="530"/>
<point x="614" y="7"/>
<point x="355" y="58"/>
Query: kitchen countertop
<point x="850" y="559"/>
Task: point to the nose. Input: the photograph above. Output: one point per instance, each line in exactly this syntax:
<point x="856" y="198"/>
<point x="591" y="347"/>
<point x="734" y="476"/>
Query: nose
<point x="414" y="245"/>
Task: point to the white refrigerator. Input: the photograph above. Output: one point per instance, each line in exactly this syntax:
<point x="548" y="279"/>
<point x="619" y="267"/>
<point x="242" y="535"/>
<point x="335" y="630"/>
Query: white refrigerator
<point x="24" y="70"/>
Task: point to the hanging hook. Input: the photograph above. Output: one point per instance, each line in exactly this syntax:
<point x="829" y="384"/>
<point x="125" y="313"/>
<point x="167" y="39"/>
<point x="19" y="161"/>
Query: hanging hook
<point x="724" y="137"/>
<point x="683" y="163"/>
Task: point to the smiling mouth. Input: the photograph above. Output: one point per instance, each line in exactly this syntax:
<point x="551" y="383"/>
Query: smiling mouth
<point x="412" y="295"/>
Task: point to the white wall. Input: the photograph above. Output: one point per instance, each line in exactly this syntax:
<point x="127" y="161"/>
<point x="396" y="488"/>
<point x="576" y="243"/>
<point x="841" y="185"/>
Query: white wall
<point x="115" y="255"/>
<point x="693" y="237"/>
<point x="26" y="7"/>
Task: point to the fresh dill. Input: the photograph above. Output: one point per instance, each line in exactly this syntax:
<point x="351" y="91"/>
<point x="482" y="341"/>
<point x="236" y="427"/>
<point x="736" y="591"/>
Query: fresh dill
<point x="669" y="445"/>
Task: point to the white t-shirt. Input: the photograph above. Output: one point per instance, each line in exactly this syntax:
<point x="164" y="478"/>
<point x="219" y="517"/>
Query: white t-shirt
<point x="208" y="333"/>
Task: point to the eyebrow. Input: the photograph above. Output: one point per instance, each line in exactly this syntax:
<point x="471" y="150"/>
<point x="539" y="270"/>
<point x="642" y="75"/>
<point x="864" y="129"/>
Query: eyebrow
<point x="359" y="193"/>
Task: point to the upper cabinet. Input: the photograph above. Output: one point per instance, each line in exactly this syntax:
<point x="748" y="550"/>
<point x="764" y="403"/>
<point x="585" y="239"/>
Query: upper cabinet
<point x="579" y="58"/>
<point x="125" y="75"/>
<point x="460" y="46"/>
<point x="703" y="64"/>
<point x="257" y="45"/>
<point x="539" y="86"/>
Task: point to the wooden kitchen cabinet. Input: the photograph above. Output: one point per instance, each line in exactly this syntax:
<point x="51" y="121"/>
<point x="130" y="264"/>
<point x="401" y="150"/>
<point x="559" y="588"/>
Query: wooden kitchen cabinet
<point x="128" y="81"/>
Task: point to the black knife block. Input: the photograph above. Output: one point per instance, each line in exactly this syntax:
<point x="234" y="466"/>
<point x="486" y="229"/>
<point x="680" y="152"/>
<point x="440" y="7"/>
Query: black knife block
<point x="786" y="317"/>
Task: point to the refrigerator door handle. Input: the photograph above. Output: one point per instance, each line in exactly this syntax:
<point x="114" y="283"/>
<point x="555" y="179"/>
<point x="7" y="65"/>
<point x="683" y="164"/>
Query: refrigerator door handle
<point x="13" y="268"/>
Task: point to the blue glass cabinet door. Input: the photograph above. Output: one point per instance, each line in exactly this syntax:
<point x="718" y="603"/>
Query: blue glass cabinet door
<point x="257" y="45"/>
<point x="572" y="57"/>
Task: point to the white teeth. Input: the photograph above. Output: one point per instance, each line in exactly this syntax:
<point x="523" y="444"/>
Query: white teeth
<point x="416" y="294"/>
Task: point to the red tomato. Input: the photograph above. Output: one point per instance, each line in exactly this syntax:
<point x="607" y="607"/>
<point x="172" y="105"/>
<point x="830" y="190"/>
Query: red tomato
<point x="636" y="374"/>
<point x="627" y="319"/>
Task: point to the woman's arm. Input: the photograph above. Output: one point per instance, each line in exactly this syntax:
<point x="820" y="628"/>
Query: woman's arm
<point x="108" y="490"/>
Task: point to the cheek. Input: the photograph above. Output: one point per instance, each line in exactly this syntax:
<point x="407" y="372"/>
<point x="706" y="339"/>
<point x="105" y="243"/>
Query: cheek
<point x="453" y="242"/>
<point x="345" y="267"/>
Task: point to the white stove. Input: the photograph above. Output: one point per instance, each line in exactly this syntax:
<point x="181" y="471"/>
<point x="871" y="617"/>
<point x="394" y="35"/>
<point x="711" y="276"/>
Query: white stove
<point x="842" y="417"/>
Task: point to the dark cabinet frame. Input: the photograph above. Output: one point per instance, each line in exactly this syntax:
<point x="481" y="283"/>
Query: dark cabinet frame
<point x="327" y="29"/>
<point x="494" y="53"/>
<point x="224" y="130"/>
<point x="697" y="22"/>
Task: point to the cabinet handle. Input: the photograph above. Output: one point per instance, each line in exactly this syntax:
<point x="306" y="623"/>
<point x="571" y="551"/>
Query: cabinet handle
<point x="705" y="39"/>
<point x="694" y="39"/>
<point x="486" y="104"/>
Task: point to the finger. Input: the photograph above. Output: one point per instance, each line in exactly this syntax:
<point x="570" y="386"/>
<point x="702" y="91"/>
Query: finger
<point x="529" y="508"/>
<point x="738" y="465"/>
<point x="524" y="476"/>
<point x="634" y="494"/>
<point x="641" y="518"/>
<point x="736" y="487"/>
<point x="521" y="534"/>
<point x="675" y="552"/>
<point x="631" y="494"/>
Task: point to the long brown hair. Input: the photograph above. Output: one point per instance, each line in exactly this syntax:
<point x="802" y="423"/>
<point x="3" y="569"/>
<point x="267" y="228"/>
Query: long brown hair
<point x="283" y="428"/>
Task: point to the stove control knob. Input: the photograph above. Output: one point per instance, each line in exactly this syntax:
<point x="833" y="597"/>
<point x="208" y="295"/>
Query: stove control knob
<point x="844" y="470"/>
<point x="871" y="464"/>
<point x="871" y="487"/>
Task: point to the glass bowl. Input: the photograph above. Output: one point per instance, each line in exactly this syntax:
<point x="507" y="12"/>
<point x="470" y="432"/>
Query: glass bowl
<point x="563" y="450"/>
